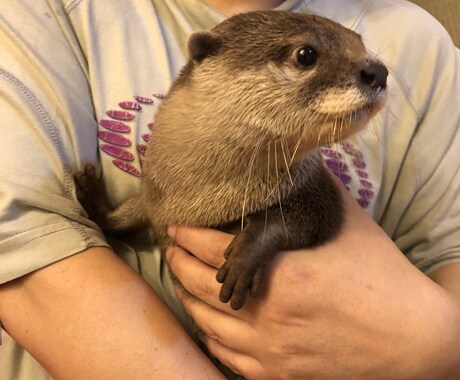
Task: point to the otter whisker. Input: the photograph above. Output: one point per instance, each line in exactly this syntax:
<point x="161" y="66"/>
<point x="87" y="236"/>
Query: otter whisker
<point x="267" y="186"/>
<point x="373" y="127"/>
<point x="296" y="148"/>
<point x="318" y="139"/>
<point x="375" y="122"/>
<point x="278" y="181"/>
<point x="343" y="126"/>
<point x="277" y="176"/>
<point x="251" y="165"/>
<point x="359" y="19"/>
<point x="270" y="194"/>
<point x="282" y="215"/>
<point x="276" y="166"/>
<point x="330" y="132"/>
<point x="286" y="162"/>
<point x="337" y="126"/>
<point x="339" y="130"/>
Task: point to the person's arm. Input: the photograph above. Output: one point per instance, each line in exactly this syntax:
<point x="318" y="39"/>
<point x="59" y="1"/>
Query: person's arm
<point x="353" y="308"/>
<point x="90" y="316"/>
<point x="449" y="278"/>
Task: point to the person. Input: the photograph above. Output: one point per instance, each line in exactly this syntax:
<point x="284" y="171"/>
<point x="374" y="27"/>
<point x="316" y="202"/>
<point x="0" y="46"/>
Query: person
<point x="81" y="82"/>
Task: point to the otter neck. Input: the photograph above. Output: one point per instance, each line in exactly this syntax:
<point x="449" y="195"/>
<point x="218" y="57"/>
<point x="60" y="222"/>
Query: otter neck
<point x="268" y="163"/>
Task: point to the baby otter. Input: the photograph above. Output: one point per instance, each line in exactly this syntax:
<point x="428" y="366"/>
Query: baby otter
<point x="276" y="86"/>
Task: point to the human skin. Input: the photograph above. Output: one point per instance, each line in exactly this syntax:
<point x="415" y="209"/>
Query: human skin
<point x="231" y="7"/>
<point x="79" y="327"/>
<point x="90" y="316"/>
<point x="354" y="308"/>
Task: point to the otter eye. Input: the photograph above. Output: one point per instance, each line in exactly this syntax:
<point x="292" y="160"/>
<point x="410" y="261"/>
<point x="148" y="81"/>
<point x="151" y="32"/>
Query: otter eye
<point x="306" y="56"/>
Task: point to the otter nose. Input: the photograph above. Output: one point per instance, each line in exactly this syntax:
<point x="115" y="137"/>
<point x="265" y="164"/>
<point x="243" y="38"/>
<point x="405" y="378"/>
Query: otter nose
<point x="374" y="75"/>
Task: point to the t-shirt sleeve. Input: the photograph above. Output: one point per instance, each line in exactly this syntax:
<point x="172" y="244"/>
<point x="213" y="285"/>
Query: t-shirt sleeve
<point x="47" y="133"/>
<point x="424" y="211"/>
<point x="429" y="230"/>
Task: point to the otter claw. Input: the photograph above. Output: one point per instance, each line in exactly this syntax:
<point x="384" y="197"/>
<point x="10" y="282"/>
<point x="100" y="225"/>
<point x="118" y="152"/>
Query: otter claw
<point x="90" y="194"/>
<point x="243" y="270"/>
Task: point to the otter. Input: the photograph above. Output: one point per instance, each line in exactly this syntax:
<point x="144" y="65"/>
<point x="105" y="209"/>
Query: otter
<point x="236" y="141"/>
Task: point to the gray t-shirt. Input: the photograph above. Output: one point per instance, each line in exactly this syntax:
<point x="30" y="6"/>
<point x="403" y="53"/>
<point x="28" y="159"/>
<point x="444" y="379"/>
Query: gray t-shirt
<point x="81" y="81"/>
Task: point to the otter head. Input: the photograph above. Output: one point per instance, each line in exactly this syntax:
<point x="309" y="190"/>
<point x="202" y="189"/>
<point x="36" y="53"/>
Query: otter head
<point x="273" y="75"/>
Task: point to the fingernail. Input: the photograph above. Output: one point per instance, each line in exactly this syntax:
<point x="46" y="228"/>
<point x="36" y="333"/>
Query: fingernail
<point x="172" y="232"/>
<point x="168" y="253"/>
<point x="179" y="290"/>
<point x="201" y="336"/>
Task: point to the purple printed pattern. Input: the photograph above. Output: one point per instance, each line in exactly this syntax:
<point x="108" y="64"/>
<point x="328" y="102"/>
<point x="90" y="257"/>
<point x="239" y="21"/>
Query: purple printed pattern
<point x="120" y="115"/>
<point x="142" y="149"/>
<point x="116" y="143"/>
<point x="115" y="126"/>
<point x="142" y="99"/>
<point x="344" y="164"/>
<point x="130" y="105"/>
<point x="127" y="167"/>
<point x="115" y="139"/>
<point x="117" y="152"/>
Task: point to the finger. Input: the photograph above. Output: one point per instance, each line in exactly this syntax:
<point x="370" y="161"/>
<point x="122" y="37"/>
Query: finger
<point x="227" y="329"/>
<point x="206" y="244"/>
<point x="196" y="277"/>
<point x="239" y="363"/>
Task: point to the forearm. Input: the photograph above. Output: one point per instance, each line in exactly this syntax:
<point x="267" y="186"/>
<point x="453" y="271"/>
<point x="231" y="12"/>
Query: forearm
<point x="90" y="316"/>
<point x="448" y="277"/>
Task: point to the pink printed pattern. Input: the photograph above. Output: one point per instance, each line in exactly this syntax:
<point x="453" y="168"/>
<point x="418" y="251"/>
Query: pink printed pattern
<point x="344" y="164"/>
<point x="115" y="142"/>
<point x="115" y="126"/>
<point x="130" y="105"/>
<point x="117" y="152"/>
<point x="142" y="99"/>
<point x="115" y="138"/>
<point x="120" y="115"/>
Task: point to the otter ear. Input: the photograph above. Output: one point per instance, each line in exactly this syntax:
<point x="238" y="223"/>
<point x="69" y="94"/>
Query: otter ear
<point x="202" y="45"/>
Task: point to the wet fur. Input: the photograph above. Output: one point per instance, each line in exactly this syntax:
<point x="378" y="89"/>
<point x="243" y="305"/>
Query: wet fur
<point x="236" y="138"/>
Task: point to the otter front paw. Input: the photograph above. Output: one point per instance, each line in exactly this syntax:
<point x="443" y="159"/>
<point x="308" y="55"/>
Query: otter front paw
<point x="91" y="195"/>
<point x="247" y="259"/>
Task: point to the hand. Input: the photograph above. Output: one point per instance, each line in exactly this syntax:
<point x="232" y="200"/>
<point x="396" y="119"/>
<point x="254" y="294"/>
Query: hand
<point x="352" y="309"/>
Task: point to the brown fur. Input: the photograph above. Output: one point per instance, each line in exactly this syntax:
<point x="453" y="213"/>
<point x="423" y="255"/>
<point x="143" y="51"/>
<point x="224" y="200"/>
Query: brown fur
<point x="236" y="138"/>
